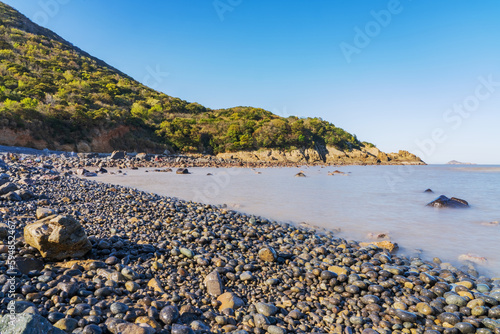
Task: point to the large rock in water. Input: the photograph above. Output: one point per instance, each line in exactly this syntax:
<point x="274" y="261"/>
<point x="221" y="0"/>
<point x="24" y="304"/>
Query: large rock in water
<point x="445" y="202"/>
<point x="27" y="323"/>
<point x="58" y="237"/>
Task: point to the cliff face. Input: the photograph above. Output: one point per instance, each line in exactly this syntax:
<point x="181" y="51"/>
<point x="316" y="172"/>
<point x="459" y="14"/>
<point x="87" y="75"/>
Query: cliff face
<point x="327" y="155"/>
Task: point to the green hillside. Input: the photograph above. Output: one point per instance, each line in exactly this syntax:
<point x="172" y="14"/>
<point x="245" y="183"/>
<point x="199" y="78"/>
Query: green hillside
<point x="58" y="95"/>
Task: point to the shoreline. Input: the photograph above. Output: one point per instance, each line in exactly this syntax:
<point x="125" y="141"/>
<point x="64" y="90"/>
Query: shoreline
<point x="275" y="278"/>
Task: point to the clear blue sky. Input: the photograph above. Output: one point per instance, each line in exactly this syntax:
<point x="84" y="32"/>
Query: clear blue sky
<point x="402" y="74"/>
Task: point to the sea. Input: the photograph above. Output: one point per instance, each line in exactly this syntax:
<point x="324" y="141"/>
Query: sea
<point x="357" y="203"/>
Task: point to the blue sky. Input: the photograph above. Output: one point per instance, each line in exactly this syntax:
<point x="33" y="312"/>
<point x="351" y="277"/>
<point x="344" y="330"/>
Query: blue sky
<point x="416" y="75"/>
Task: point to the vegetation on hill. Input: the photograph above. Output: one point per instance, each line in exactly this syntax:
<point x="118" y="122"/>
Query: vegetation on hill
<point x="61" y="94"/>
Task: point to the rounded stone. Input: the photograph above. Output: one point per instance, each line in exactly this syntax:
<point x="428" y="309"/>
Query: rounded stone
<point x="54" y="317"/>
<point x="327" y="275"/>
<point x="356" y="321"/>
<point x="118" y="307"/>
<point x="406" y="316"/>
<point x="494" y="312"/>
<point x="267" y="254"/>
<point x="266" y="309"/>
<point x="478" y="311"/>
<point x="453" y="299"/>
<point x="450" y="318"/>
<point x="246" y="276"/>
<point x="92" y="329"/>
<point x="370" y="299"/>
<point x="276" y="330"/>
<point x="465" y="328"/>
<point x="169" y="314"/>
<point x="187" y="252"/>
<point x="424" y="308"/>
<point x="67" y="324"/>
<point x="132" y="286"/>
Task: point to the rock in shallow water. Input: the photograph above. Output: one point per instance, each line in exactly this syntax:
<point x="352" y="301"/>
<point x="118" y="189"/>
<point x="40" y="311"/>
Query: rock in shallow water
<point x="445" y="202"/>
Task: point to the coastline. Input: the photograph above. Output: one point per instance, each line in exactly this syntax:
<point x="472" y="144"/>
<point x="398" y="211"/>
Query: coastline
<point x="307" y="281"/>
<point x="254" y="159"/>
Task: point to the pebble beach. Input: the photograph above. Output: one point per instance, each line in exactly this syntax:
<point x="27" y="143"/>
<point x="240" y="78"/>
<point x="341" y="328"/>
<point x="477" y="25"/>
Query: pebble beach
<point x="157" y="264"/>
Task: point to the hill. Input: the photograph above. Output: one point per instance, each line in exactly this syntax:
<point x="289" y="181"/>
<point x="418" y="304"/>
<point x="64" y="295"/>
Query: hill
<point x="54" y="95"/>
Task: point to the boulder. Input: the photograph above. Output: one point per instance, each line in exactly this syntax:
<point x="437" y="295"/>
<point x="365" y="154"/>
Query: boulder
<point x="24" y="194"/>
<point x="445" y="202"/>
<point x="27" y="323"/>
<point x="12" y="196"/>
<point x="182" y="171"/>
<point x="7" y="188"/>
<point x="58" y="237"/>
<point x="118" y="155"/>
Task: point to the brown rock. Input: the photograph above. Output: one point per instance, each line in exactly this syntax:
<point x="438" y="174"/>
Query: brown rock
<point x="267" y="254"/>
<point x="381" y="244"/>
<point x="44" y="212"/>
<point x="58" y="237"/>
<point x="156" y="285"/>
<point x="84" y="263"/>
<point x="150" y="321"/>
<point x="128" y="328"/>
<point x="339" y="270"/>
<point x="230" y="300"/>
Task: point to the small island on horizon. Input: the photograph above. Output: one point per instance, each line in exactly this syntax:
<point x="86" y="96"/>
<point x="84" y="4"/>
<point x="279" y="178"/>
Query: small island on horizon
<point x="455" y="162"/>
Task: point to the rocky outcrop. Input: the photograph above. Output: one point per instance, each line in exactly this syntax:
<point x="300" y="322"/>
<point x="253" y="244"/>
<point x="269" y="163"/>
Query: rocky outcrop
<point x="58" y="237"/>
<point x="326" y="155"/>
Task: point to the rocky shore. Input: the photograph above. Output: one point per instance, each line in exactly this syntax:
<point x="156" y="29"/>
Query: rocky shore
<point x="151" y="264"/>
<point x="328" y="156"/>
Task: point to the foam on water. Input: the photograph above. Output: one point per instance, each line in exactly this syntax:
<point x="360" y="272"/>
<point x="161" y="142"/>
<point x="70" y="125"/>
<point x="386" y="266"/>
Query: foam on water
<point x="371" y="199"/>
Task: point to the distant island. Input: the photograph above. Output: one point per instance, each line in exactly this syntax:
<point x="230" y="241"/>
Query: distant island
<point x="56" y="96"/>
<point x="455" y="162"/>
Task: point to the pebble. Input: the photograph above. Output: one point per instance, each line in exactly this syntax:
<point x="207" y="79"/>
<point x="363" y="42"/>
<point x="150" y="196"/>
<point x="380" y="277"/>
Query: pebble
<point x="169" y="314"/>
<point x="275" y="330"/>
<point x="118" y="307"/>
<point x="266" y="309"/>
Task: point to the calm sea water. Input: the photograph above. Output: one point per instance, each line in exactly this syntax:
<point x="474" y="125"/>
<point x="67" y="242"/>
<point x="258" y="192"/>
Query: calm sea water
<point x="369" y="199"/>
